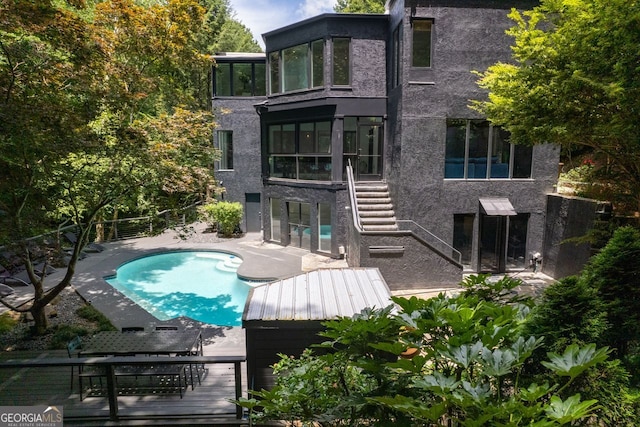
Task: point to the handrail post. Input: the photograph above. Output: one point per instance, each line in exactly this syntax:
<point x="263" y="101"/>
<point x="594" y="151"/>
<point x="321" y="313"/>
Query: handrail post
<point x="112" y="393"/>
<point x="238" y="375"/>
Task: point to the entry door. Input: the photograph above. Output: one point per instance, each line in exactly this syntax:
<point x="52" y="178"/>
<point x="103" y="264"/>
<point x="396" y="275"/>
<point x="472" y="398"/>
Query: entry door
<point x="368" y="165"/>
<point x="492" y="243"/>
<point x="299" y="225"/>
<point x="252" y="212"/>
<point x="503" y="242"/>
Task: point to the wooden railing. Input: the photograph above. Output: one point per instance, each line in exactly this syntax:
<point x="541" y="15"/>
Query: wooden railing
<point x="107" y="365"/>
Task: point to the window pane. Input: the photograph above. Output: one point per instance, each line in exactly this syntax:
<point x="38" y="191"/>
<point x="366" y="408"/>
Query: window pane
<point x="517" y="243"/>
<point x="395" y="66"/>
<point x="421" y="55"/>
<point x="324" y="227"/>
<point x="463" y="235"/>
<point x="242" y="80"/>
<point x="274" y="72"/>
<point x="500" y="153"/>
<point x="323" y="137"/>
<point x="260" y="83"/>
<point x="455" y="148"/>
<point x="317" y="63"/>
<point x="478" y="149"/>
<point x="282" y="167"/>
<point x="341" y="63"/>
<point x="307" y="138"/>
<point x="225" y="144"/>
<point x="350" y="143"/>
<point x="275" y="220"/>
<point x="294" y="68"/>
<point x="223" y="80"/>
<point x="522" y="161"/>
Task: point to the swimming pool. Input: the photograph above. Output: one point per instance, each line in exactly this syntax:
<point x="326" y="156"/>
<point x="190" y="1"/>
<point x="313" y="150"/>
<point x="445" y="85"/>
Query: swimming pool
<point x="201" y="285"/>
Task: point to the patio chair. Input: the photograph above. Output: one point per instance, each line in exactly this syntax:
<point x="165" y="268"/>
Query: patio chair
<point x="73" y="350"/>
<point x="89" y="247"/>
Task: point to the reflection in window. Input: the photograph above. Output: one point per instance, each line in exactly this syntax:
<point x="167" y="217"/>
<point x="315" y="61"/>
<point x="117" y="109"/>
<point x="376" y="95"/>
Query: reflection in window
<point x="477" y="150"/>
<point x="421" y="53"/>
<point x="297" y="67"/>
<point x="324" y="227"/>
<point x="517" y="243"/>
<point x="299" y="225"/>
<point x="275" y="219"/>
<point x="300" y="151"/>
<point x="225" y="145"/>
<point x="239" y="79"/>
<point x="463" y="236"/>
<point x="341" y="62"/>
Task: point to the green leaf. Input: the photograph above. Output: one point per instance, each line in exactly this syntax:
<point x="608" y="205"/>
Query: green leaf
<point x="569" y="410"/>
<point x="576" y="360"/>
<point x="498" y="363"/>
<point x="413" y="407"/>
<point x="437" y="383"/>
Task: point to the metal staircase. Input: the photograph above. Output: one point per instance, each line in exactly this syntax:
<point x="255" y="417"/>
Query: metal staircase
<point x="375" y="207"/>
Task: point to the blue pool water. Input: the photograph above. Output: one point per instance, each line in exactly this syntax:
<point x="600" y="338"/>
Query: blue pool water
<point x="201" y="285"/>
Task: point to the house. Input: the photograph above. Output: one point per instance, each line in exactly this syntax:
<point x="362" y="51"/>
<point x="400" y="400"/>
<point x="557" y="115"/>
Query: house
<point x="363" y="143"/>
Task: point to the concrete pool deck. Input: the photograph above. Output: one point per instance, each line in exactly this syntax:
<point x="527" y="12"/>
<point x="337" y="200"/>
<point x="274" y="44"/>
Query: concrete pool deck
<point x="261" y="261"/>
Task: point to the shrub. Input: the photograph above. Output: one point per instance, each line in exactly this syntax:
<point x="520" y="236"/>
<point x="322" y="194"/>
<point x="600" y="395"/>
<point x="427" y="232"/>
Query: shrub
<point x="7" y="322"/>
<point x="225" y="216"/>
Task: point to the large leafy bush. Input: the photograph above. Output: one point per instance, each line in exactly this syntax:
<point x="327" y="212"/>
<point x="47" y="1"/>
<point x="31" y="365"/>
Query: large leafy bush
<point x="225" y="216"/>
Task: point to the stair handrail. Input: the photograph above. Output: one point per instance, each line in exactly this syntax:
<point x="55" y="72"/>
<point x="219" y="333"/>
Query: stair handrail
<point x="449" y="250"/>
<point x="351" y="185"/>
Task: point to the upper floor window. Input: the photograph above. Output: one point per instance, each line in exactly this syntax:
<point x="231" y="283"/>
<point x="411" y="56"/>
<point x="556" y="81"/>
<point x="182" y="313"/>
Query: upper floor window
<point x="341" y="61"/>
<point x="300" y="150"/>
<point x="477" y="150"/>
<point x="421" y="42"/>
<point x="239" y="79"/>
<point x="297" y="67"/>
<point x="225" y="145"/>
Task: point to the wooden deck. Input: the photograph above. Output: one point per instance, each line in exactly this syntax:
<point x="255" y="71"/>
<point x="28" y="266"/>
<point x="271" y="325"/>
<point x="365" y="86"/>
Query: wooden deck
<point x="207" y="403"/>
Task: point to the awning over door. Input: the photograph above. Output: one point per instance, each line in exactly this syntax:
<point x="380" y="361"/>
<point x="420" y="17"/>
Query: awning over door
<point x="500" y="206"/>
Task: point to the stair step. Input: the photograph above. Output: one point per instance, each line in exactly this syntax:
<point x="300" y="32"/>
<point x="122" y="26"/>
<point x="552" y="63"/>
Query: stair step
<point x="369" y="194"/>
<point x="378" y="221"/>
<point x="375" y="207"/>
<point x="371" y="187"/>
<point x="376" y="201"/>
<point x="376" y="213"/>
<point x="380" y="227"/>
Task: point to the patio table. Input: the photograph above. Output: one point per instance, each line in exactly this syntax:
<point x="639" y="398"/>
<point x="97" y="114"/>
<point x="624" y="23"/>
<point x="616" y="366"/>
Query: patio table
<point x="113" y="343"/>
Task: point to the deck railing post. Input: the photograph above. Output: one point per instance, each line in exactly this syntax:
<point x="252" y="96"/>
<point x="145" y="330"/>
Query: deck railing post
<point x="238" y="375"/>
<point x="112" y="393"/>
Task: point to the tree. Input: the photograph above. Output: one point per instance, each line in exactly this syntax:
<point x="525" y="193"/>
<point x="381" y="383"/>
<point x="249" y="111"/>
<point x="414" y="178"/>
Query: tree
<point x="360" y="6"/>
<point x="97" y="106"/>
<point x="573" y="82"/>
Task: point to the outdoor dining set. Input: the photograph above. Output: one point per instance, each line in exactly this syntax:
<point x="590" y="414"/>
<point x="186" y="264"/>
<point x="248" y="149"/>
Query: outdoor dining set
<point x="145" y="362"/>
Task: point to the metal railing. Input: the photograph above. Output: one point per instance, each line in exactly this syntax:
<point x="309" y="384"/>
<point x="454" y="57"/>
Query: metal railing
<point x="431" y="239"/>
<point x="351" y="185"/>
<point x="108" y="365"/>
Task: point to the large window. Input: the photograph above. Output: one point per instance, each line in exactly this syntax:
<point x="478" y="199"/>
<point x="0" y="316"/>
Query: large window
<point x="275" y="219"/>
<point x="421" y="43"/>
<point x="239" y="79"/>
<point x="477" y="150"/>
<point x="300" y="151"/>
<point x="225" y="145"/>
<point x="463" y="235"/>
<point x="297" y="67"/>
<point x="341" y="61"/>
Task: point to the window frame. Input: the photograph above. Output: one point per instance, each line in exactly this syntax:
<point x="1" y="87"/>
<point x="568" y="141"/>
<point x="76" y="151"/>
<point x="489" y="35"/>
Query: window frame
<point x="348" y="61"/>
<point x="277" y="73"/>
<point x="232" y="79"/>
<point x="414" y="55"/>
<point x="486" y="160"/>
<point x="223" y="144"/>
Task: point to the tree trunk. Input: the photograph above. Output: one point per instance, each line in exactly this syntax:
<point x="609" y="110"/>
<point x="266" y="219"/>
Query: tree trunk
<point x="40" y="323"/>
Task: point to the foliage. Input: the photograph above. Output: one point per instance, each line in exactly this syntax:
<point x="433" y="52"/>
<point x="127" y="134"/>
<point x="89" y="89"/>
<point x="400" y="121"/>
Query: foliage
<point x="91" y="314"/>
<point x="573" y="82"/>
<point x="7" y="322"/>
<point x="225" y="216"/>
<point x="467" y="371"/>
<point x="102" y="108"/>
<point x="360" y="6"/>
<point x="614" y="273"/>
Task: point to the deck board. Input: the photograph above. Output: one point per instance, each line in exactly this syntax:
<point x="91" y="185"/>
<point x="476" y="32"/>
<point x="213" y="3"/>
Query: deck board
<point x="51" y="386"/>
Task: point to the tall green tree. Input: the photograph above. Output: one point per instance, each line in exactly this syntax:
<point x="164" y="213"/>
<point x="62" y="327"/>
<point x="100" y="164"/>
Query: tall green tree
<point x="360" y="6"/>
<point x="574" y="82"/>
<point x="96" y="107"/>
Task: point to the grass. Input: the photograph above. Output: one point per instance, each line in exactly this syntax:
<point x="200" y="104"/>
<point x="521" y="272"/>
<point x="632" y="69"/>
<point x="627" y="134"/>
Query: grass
<point x="65" y="333"/>
<point x="7" y="322"/>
